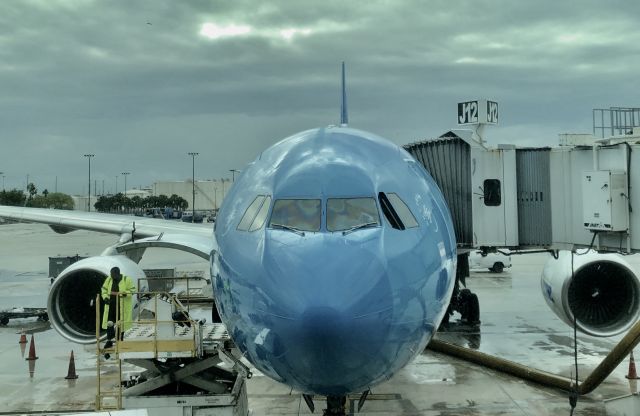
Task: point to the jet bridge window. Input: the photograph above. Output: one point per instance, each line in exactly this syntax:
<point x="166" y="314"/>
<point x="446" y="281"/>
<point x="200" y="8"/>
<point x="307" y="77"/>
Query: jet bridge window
<point x="492" y="195"/>
<point x="296" y="214"/>
<point x="351" y="213"/>
<point x="396" y="211"/>
<point x="251" y="219"/>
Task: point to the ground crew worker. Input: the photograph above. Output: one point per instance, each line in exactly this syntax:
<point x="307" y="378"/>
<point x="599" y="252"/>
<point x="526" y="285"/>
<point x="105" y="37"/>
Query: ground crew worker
<point x="117" y="286"/>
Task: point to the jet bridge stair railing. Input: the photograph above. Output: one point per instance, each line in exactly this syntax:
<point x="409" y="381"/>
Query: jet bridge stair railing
<point x="149" y="338"/>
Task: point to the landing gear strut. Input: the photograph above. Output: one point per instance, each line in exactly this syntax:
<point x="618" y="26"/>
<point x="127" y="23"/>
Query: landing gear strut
<point x="463" y="300"/>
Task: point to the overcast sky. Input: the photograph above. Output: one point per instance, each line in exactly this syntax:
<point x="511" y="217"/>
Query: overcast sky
<point x="141" y="83"/>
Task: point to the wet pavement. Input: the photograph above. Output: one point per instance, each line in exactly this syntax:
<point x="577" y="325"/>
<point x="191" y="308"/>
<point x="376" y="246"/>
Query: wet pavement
<point x="516" y="325"/>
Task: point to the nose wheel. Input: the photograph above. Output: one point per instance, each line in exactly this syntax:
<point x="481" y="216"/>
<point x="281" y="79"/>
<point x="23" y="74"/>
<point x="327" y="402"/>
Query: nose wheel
<point x="335" y="406"/>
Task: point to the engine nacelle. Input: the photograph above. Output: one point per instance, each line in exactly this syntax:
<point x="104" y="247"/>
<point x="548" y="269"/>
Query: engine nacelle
<point x="71" y="303"/>
<point x="604" y="294"/>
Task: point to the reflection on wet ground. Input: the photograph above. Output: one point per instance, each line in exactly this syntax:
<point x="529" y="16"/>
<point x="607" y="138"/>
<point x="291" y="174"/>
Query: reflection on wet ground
<point x="462" y="334"/>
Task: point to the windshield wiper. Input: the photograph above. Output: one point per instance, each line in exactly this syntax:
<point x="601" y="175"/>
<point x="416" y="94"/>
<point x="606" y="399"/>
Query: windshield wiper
<point x="288" y="228"/>
<point x="359" y="227"/>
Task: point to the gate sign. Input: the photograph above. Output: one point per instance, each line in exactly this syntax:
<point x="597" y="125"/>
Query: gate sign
<point x="492" y="112"/>
<point x="478" y="112"/>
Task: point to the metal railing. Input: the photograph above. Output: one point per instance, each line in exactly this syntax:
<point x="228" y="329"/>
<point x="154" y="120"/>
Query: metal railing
<point x="155" y="346"/>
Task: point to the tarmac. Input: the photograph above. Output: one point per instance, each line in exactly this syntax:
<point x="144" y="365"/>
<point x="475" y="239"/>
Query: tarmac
<point x="515" y="324"/>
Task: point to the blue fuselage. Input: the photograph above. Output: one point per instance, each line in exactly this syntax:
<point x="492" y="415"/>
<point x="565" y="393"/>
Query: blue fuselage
<point x="333" y="312"/>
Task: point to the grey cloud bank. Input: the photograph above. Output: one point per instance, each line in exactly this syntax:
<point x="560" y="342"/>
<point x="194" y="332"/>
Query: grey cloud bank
<point x="140" y="84"/>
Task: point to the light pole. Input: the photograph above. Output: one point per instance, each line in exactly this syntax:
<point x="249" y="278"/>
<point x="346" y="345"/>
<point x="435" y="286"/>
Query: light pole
<point x="89" y="156"/>
<point x="233" y="174"/>
<point x="2" y="173"/>
<point x="125" y="182"/>
<point x="193" y="182"/>
<point x="116" y="192"/>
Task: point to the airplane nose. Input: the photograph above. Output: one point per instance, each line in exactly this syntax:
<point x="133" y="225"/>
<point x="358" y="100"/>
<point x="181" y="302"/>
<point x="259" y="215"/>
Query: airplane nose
<point x="336" y="351"/>
<point x="333" y="313"/>
<point x="321" y="322"/>
<point x="327" y="335"/>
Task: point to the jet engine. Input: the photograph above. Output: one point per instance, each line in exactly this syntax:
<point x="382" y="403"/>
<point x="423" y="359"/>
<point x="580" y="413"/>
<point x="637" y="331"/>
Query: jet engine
<point x="72" y="297"/>
<point x="603" y="295"/>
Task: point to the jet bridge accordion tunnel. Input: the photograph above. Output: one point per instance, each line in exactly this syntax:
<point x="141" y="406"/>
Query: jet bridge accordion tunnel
<point x="448" y="161"/>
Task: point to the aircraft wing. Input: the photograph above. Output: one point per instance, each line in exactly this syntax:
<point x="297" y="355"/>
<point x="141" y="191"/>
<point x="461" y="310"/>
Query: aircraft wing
<point x="64" y="221"/>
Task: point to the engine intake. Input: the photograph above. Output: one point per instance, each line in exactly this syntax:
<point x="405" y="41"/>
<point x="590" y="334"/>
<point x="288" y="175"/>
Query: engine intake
<point x="604" y="293"/>
<point x="71" y="302"/>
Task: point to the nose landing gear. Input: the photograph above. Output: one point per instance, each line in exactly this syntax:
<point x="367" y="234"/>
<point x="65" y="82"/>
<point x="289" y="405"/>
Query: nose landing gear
<point x="335" y="406"/>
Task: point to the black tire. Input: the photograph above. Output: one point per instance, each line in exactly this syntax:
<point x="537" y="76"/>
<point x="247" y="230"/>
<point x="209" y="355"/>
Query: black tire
<point x="470" y="307"/>
<point x="498" y="267"/>
<point x="4" y="321"/>
<point x="473" y="310"/>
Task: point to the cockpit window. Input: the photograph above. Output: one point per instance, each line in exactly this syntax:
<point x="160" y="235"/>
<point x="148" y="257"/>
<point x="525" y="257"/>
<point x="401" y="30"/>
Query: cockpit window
<point x="296" y="214"/>
<point x="250" y="213"/>
<point x="259" y="220"/>
<point x="351" y="213"/>
<point x="396" y="211"/>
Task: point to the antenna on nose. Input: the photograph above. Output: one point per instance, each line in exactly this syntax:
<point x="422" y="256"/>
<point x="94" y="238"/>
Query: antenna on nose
<point x="344" y="117"/>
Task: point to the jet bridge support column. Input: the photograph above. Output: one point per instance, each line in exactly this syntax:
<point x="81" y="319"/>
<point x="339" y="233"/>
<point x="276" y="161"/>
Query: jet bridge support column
<point x="463" y="300"/>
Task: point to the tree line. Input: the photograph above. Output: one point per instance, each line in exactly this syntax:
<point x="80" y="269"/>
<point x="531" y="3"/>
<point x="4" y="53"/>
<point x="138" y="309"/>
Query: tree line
<point x="120" y="203"/>
<point x="46" y="199"/>
<point x="111" y="203"/>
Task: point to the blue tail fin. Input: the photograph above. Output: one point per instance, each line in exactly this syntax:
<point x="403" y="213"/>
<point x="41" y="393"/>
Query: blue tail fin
<point x="344" y="117"/>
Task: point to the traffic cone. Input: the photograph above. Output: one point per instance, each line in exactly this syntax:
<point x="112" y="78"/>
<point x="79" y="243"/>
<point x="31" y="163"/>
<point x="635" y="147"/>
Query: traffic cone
<point x="633" y="375"/>
<point x="32" y="350"/>
<point x="23" y="337"/>
<point x="71" y="374"/>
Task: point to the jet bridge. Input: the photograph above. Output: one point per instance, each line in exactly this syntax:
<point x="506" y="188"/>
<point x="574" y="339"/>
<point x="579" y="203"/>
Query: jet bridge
<point x="577" y="195"/>
<point x="538" y="198"/>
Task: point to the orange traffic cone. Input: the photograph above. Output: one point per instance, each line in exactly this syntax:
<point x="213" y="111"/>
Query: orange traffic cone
<point x="633" y="375"/>
<point x="32" y="350"/>
<point x="23" y="337"/>
<point x="71" y="374"/>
